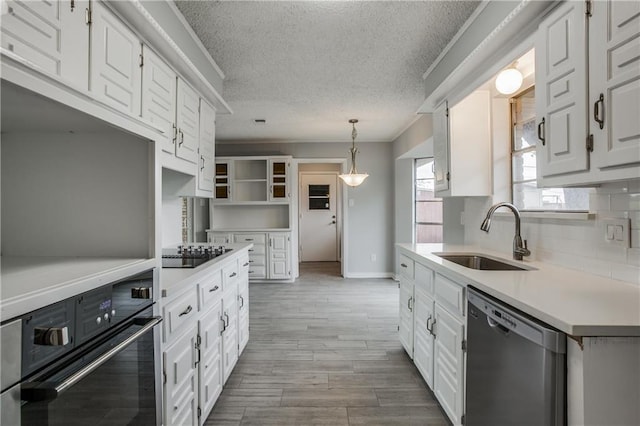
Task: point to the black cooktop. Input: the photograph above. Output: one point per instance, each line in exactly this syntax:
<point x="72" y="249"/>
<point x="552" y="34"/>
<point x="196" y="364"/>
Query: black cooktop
<point x="191" y="256"/>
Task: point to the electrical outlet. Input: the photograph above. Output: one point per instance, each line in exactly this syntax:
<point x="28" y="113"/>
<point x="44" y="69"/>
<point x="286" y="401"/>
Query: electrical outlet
<point x="616" y="232"/>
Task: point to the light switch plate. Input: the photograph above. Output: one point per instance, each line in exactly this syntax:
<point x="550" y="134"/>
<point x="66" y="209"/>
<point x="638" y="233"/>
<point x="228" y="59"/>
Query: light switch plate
<point x="617" y="232"/>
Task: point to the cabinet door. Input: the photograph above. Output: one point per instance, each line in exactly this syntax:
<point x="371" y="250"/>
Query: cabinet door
<point x="218" y="238"/>
<point x="187" y="120"/>
<point x="406" y="315"/>
<point x="279" y="256"/>
<point x="181" y="384"/>
<point x="441" y="147"/>
<point x="614" y="75"/>
<point x="278" y="180"/>
<point x="51" y="35"/>
<point x="243" y="312"/>
<point x="424" y="317"/>
<point x="206" y="167"/>
<point x="159" y="97"/>
<point x="223" y="180"/>
<point x="115" y="61"/>
<point x="230" y="333"/>
<point x="210" y="358"/>
<point x="448" y="368"/>
<point x="561" y="88"/>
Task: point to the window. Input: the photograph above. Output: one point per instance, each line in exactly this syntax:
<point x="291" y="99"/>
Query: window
<point x="428" y="209"/>
<point x="525" y="194"/>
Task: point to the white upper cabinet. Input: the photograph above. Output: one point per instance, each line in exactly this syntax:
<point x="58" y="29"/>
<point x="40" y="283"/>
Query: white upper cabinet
<point x="462" y="147"/>
<point x="159" y="97"/>
<point x="587" y="93"/>
<point x="561" y="84"/>
<point x="614" y="82"/>
<point x="206" y="166"/>
<point x="51" y="35"/>
<point x="116" y="55"/>
<point x="187" y="121"/>
<point x="441" y="147"/>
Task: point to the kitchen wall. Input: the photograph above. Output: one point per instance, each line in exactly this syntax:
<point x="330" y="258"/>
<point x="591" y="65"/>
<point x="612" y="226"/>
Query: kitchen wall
<point x="370" y="217"/>
<point x="575" y="244"/>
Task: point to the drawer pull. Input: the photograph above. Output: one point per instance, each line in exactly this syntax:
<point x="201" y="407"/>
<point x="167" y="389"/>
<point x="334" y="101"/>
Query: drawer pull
<point x="224" y="325"/>
<point x="248" y="239"/>
<point x="251" y="250"/>
<point x="252" y="272"/>
<point x="403" y="265"/>
<point x="211" y="290"/>
<point x="186" y="311"/>
<point x="409" y="304"/>
<point x="245" y="265"/>
<point x="429" y="325"/>
<point x="232" y="275"/>
<point x="227" y="322"/>
<point x="241" y="301"/>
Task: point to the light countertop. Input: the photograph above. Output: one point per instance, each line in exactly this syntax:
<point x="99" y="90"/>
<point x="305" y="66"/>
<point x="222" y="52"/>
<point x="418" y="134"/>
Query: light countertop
<point x="174" y="281"/>
<point x="249" y="230"/>
<point x="32" y="282"/>
<point x="574" y="302"/>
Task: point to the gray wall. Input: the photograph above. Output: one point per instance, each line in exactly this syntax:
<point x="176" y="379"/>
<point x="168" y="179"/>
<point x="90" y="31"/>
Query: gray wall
<point x="370" y="219"/>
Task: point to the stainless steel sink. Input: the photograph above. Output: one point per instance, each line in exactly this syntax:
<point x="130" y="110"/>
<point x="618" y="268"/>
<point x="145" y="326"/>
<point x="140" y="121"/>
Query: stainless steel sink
<point x="482" y="262"/>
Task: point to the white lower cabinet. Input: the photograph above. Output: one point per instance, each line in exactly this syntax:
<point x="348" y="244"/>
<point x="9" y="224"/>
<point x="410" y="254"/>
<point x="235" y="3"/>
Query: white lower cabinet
<point x="279" y="258"/>
<point x="181" y="380"/>
<point x="210" y="359"/>
<point x="206" y="326"/>
<point x="448" y="367"/>
<point x="436" y="336"/>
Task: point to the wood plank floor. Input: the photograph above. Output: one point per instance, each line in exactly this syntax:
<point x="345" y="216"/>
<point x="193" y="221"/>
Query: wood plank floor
<point x="324" y="351"/>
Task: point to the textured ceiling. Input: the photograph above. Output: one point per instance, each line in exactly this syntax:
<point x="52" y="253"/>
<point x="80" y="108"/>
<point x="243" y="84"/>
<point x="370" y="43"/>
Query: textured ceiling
<point x="307" y="67"/>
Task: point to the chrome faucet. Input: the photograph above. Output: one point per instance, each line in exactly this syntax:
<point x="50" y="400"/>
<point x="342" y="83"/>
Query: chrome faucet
<point x="519" y="246"/>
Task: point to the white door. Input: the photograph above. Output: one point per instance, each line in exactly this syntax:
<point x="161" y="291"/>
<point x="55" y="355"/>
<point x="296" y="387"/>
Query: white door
<point x="441" y="147"/>
<point x="614" y="76"/>
<point x="207" y="146"/>
<point x="561" y="91"/>
<point x="181" y="381"/>
<point x="159" y="97"/>
<point x="210" y="361"/>
<point x="187" y="120"/>
<point x="116" y="75"/>
<point x="318" y="217"/>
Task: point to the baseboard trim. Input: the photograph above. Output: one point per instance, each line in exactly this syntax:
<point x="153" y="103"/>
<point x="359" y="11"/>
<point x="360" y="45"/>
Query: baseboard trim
<point x="368" y="275"/>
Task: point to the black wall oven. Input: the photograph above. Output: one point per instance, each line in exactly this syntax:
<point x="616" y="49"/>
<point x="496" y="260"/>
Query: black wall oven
<point x="92" y="359"/>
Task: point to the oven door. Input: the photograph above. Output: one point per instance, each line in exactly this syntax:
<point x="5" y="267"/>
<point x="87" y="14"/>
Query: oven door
<point x="113" y="381"/>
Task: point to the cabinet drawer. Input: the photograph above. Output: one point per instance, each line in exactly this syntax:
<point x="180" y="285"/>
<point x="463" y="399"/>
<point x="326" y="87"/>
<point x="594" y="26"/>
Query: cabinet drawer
<point x="450" y="294"/>
<point x="257" y="260"/>
<point x="230" y="273"/>
<point x="406" y="266"/>
<point x="243" y="264"/>
<point x="424" y="279"/>
<point x="179" y="312"/>
<point x="258" y="271"/>
<point x="250" y="238"/>
<point x="210" y="290"/>
<point x="257" y="249"/>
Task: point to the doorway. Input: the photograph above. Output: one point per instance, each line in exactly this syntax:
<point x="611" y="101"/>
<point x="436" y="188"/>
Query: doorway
<point x="318" y="213"/>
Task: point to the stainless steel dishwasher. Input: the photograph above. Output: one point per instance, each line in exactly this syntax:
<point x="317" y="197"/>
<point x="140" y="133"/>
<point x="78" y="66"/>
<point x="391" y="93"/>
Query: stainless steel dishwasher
<point x="515" y="367"/>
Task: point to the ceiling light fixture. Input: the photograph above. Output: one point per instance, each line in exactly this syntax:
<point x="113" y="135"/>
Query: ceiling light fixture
<point x="353" y="178"/>
<point x="509" y="80"/>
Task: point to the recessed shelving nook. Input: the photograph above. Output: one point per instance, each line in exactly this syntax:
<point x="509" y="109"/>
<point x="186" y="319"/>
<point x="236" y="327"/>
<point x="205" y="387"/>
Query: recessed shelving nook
<point x="240" y="180"/>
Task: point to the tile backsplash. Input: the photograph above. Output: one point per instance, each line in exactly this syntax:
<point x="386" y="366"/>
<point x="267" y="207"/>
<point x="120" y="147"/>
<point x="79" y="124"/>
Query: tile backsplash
<point x="575" y="244"/>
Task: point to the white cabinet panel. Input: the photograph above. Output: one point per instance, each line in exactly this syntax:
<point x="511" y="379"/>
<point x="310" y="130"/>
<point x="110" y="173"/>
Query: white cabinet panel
<point x="243" y="312"/>
<point x="424" y="317"/>
<point x="561" y="85"/>
<point x="406" y="315"/>
<point x="206" y="166"/>
<point x="116" y="75"/>
<point x="210" y="358"/>
<point x="159" y="97"/>
<point x="614" y="76"/>
<point x="50" y="35"/>
<point x="187" y="120"/>
<point x="449" y="363"/>
<point x="441" y="147"/>
<point x="279" y="256"/>
<point x="181" y="385"/>
<point x="230" y="330"/>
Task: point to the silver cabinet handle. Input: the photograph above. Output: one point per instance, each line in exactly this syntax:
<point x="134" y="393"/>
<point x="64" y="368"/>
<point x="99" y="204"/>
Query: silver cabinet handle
<point x="186" y="311"/>
<point x="202" y="168"/>
<point x="224" y="325"/>
<point x="429" y="325"/>
<point x="175" y="133"/>
<point x="181" y="137"/>
<point x="597" y="113"/>
<point x="433" y="325"/>
<point x="211" y="290"/>
<point x="227" y="322"/>
<point x="232" y="275"/>
<point x="409" y="304"/>
<point x="403" y="265"/>
<point x="541" y="129"/>
<point x="241" y="301"/>
<point x="245" y="265"/>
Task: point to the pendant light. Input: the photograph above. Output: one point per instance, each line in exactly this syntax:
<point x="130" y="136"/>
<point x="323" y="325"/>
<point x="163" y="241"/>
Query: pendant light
<point x="509" y="80"/>
<point x="353" y="178"/>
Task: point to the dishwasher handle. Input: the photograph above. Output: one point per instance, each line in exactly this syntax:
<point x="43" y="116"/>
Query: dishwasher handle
<point x="497" y="326"/>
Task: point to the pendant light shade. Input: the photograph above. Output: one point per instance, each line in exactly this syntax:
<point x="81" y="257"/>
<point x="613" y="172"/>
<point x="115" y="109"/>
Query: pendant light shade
<point x="353" y="178"/>
<point x="509" y="80"/>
